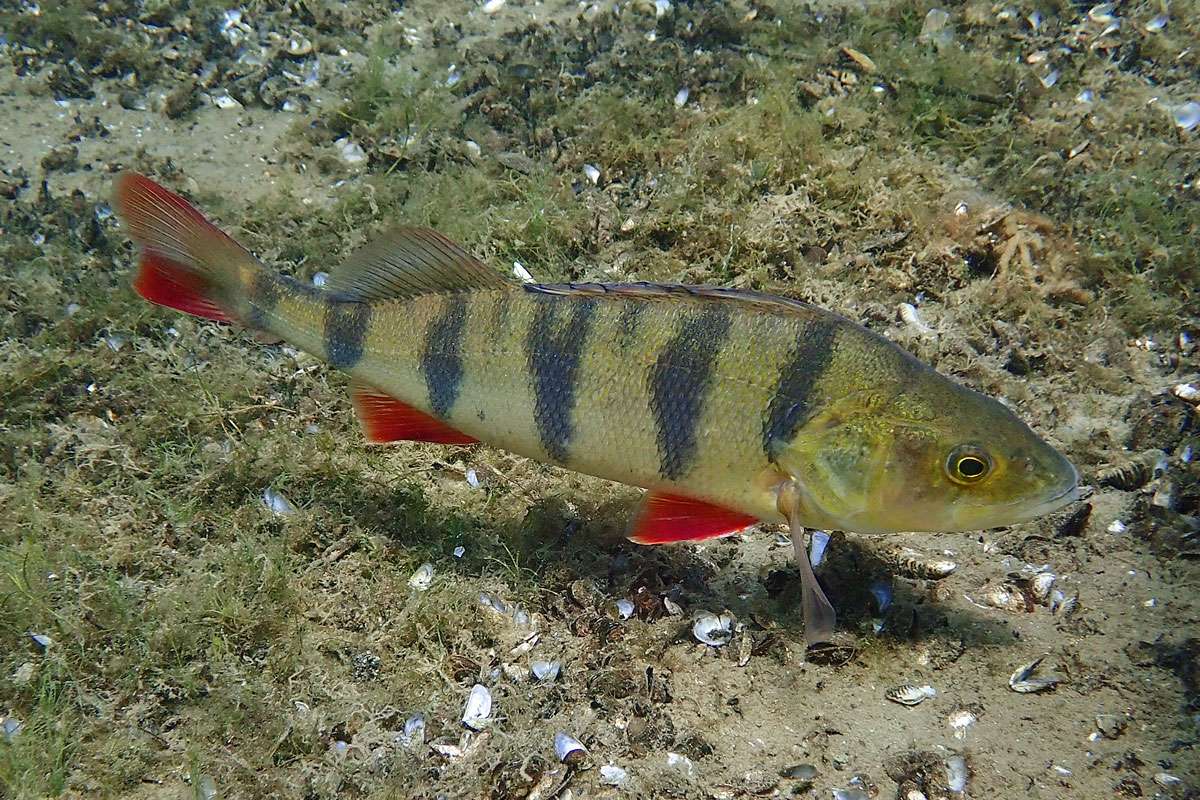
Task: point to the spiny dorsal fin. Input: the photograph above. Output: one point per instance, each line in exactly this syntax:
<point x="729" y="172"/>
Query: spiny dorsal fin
<point x="406" y="262"/>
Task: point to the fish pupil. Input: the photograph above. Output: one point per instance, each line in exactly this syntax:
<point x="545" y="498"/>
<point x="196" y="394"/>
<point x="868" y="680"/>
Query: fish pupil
<point x="970" y="467"/>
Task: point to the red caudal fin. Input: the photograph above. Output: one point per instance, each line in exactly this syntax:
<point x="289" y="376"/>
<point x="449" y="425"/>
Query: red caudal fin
<point x="186" y="262"/>
<point x="168" y="283"/>
<point x="666" y="518"/>
<point x="386" y="419"/>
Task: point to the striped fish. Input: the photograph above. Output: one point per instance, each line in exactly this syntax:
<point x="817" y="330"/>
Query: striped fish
<point x="730" y="407"/>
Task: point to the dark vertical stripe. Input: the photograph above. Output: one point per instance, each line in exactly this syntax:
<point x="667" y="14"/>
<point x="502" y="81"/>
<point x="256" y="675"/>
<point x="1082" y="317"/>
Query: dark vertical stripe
<point x="346" y="324"/>
<point x="553" y="348"/>
<point x="266" y="290"/>
<point x="441" y="359"/>
<point x="791" y="403"/>
<point x="679" y="383"/>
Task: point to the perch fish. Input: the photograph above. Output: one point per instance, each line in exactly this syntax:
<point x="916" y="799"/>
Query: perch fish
<point x="728" y="406"/>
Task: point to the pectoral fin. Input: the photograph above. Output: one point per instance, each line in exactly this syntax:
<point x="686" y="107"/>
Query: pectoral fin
<point x="819" y="615"/>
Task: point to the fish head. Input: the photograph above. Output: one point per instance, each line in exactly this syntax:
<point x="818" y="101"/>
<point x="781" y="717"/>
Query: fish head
<point x="932" y="458"/>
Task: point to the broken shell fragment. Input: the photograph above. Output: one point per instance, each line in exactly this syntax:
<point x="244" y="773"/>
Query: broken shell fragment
<point x="478" y="708"/>
<point x="681" y="763"/>
<point x="545" y="670"/>
<point x="957" y="774"/>
<point x="960" y="721"/>
<point x="277" y="503"/>
<point x="422" y="578"/>
<point x="712" y="629"/>
<point x="799" y="772"/>
<point x="914" y="564"/>
<point x="569" y="749"/>
<point x="414" y="731"/>
<point x="624" y="608"/>
<point x="1022" y="679"/>
<point x="881" y="591"/>
<point x="818" y="541"/>
<point x="861" y="59"/>
<point x="612" y="775"/>
<point x="909" y="695"/>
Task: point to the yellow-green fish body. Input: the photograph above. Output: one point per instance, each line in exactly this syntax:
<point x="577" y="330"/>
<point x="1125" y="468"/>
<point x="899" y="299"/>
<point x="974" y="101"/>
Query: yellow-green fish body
<point x="715" y="395"/>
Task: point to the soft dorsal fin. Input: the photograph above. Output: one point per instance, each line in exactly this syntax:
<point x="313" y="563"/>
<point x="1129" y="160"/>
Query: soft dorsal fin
<point x="386" y="419"/>
<point x="666" y="518"/>
<point x="408" y="261"/>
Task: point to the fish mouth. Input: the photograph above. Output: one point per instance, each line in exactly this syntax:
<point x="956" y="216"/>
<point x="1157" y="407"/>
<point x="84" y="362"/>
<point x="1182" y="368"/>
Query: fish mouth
<point x="1072" y="492"/>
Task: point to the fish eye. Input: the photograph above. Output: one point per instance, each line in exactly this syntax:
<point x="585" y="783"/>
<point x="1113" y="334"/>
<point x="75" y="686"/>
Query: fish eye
<point x="968" y="464"/>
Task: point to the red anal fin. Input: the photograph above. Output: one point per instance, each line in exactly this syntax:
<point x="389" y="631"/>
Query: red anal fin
<point x="386" y="419"/>
<point x="168" y="283"/>
<point x="666" y="518"/>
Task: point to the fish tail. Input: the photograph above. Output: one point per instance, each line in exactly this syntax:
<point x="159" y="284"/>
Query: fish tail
<point x="186" y="262"/>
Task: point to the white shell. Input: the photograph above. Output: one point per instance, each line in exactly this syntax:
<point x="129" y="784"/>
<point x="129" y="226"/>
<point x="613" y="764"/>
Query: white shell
<point x="592" y="172"/>
<point x="956" y="774"/>
<point x="1004" y="596"/>
<point x="1166" y="780"/>
<point x="910" y="316"/>
<point x="545" y="670"/>
<point x="278" y="504"/>
<point x="625" y="608"/>
<point x="1048" y="79"/>
<point x="1102" y="12"/>
<point x="1158" y="23"/>
<point x="522" y="274"/>
<point x="909" y="695"/>
<point x="478" y="708"/>
<point x="473" y="479"/>
<point x="612" y="775"/>
<point x="1186" y="391"/>
<point x="422" y="578"/>
<point x="712" y="629"/>
<point x="566" y="746"/>
<point x="681" y="97"/>
<point x="1040" y="586"/>
<point x="493" y="604"/>
<point x="223" y="100"/>
<point x="319" y="279"/>
<point x="673" y="608"/>
<point x="1117" y="527"/>
<point x="1022" y="679"/>
<point x="492" y="6"/>
<point x="460" y="551"/>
